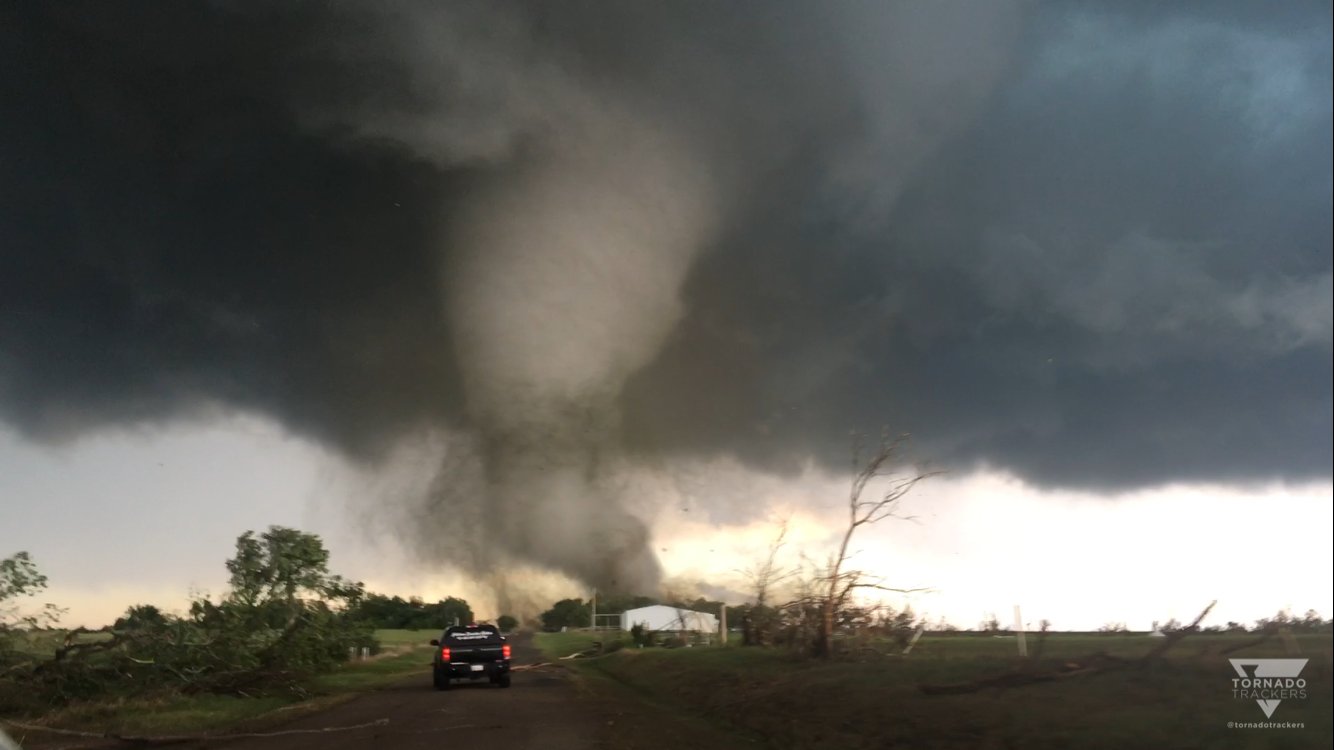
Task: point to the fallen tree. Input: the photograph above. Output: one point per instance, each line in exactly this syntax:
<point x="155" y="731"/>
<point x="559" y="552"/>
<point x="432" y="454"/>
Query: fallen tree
<point x="1092" y="664"/>
<point x="285" y="617"/>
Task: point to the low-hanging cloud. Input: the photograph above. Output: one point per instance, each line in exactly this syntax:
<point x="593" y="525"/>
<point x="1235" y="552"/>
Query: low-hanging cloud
<point x="1085" y="242"/>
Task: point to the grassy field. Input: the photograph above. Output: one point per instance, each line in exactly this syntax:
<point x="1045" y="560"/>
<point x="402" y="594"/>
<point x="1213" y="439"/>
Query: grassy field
<point x="403" y="653"/>
<point x="872" y="700"/>
<point x="390" y="639"/>
<point x="43" y="643"/>
<point x="556" y="645"/>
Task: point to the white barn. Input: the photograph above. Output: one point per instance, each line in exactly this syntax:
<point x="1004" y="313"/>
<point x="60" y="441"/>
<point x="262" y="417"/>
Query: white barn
<point x="660" y="618"/>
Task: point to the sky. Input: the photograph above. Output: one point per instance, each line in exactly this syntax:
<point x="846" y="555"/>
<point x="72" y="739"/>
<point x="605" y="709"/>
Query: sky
<point x="507" y="299"/>
<point x="150" y="516"/>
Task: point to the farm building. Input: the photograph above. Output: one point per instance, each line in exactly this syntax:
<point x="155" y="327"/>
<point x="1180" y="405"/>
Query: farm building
<point x="660" y="618"/>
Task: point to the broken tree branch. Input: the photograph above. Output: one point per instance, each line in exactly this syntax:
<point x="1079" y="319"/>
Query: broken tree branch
<point x="1092" y="664"/>
<point x="1177" y="635"/>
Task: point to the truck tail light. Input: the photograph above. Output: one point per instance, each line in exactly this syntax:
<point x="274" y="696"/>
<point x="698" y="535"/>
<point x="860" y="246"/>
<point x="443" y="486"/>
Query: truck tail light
<point x="444" y="654"/>
<point x="505" y="651"/>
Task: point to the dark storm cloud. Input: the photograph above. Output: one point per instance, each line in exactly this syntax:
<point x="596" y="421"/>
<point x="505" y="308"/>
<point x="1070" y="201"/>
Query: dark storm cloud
<point x="1119" y="276"/>
<point x="173" y="241"/>
<point x="1095" y="255"/>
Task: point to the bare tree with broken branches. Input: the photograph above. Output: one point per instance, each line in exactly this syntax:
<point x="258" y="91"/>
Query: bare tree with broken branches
<point x="838" y="583"/>
<point x="766" y="574"/>
<point x="760" y="618"/>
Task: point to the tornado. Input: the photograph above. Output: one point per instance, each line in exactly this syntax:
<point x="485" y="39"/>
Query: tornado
<point x="569" y="281"/>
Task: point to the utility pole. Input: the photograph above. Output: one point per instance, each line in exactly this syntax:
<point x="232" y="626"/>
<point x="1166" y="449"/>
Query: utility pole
<point x="594" y="602"/>
<point x="1019" y="633"/>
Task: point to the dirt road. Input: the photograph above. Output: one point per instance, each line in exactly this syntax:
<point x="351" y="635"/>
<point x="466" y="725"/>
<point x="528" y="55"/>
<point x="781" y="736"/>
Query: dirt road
<point x="544" y="709"/>
<point x="538" y="711"/>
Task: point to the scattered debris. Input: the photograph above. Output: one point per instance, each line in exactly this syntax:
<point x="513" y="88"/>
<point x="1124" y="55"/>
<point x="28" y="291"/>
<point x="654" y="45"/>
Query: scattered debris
<point x="594" y="650"/>
<point x="1092" y="664"/>
<point x="1088" y="665"/>
<point x="532" y="667"/>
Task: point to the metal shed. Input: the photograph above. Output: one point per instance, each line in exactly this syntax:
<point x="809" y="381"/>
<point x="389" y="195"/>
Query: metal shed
<point x="661" y="618"/>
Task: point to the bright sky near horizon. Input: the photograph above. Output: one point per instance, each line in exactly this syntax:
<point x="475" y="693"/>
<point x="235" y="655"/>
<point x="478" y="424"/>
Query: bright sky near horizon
<point x="149" y="516"/>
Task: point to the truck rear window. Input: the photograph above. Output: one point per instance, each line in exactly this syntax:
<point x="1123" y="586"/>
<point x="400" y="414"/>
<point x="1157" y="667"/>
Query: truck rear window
<point x="469" y="635"/>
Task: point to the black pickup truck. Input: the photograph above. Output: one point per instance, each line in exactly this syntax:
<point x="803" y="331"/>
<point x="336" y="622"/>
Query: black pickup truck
<point x="471" y="652"/>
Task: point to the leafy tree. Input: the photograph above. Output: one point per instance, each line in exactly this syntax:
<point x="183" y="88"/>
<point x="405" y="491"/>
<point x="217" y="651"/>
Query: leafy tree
<point x="448" y="611"/>
<point x="506" y="623"/>
<point x="284" y="614"/>
<point x="140" y="617"/>
<point x="20" y="578"/>
<point x="279" y="567"/>
<point x="382" y="611"/>
<point x="567" y="613"/>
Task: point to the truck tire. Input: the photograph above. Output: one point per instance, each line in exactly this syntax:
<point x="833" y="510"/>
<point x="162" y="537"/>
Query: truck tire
<point x="440" y="679"/>
<point x="503" y="680"/>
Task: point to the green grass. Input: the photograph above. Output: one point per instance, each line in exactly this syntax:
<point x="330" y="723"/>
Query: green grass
<point x="555" y="645"/>
<point x="43" y="643"/>
<point x="388" y="638"/>
<point x="872" y="701"/>
<point x="405" y="653"/>
<point x="172" y="715"/>
<point x="374" y="673"/>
